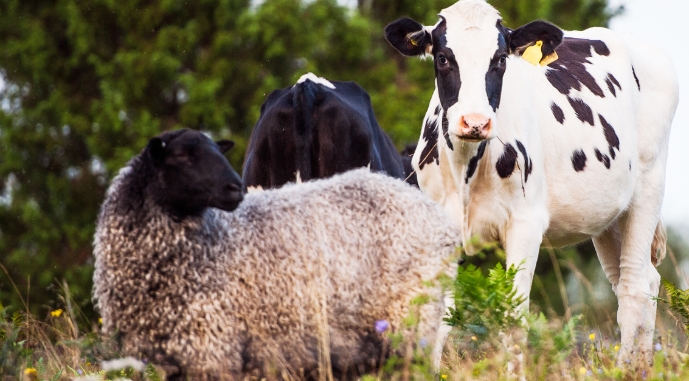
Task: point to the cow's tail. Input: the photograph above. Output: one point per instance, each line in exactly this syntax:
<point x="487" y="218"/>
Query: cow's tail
<point x="659" y="245"/>
<point x="303" y="101"/>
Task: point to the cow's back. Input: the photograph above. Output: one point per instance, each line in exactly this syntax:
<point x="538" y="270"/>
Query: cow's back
<point x="317" y="130"/>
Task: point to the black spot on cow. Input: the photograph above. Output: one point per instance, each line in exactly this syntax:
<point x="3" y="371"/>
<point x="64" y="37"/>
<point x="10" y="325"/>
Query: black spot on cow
<point x="506" y="161"/>
<point x="603" y="158"/>
<point x="569" y="72"/>
<point x="638" y="85"/>
<point x="446" y="68"/>
<point x="557" y="113"/>
<point x="473" y="162"/>
<point x="429" y="153"/>
<point x="611" y="81"/>
<point x="446" y="134"/>
<point x="496" y="68"/>
<point x="527" y="161"/>
<point x="610" y="136"/>
<point x="437" y="110"/>
<point x="582" y="110"/>
<point x="579" y="160"/>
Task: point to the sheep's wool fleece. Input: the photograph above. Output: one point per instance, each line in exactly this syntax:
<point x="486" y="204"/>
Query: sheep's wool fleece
<point x="243" y="292"/>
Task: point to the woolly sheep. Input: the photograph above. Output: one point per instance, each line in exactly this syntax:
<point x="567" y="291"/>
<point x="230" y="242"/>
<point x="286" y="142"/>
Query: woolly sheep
<point x="257" y="288"/>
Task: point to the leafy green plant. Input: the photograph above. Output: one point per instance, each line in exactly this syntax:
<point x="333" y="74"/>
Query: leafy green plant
<point x="485" y="304"/>
<point x="678" y="302"/>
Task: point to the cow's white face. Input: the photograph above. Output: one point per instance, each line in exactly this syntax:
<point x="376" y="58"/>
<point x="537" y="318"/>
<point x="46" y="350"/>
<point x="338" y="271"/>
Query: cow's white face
<point x="470" y="56"/>
<point x="470" y="49"/>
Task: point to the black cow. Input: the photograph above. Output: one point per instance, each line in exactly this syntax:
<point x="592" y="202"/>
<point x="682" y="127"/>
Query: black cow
<point x="315" y="129"/>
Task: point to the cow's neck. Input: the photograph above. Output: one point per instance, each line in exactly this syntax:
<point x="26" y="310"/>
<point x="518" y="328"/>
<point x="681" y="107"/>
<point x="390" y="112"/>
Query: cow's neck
<point x="465" y="158"/>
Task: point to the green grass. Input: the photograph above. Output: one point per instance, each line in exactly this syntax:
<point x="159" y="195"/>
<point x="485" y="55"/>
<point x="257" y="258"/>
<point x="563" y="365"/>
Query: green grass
<point x="486" y="336"/>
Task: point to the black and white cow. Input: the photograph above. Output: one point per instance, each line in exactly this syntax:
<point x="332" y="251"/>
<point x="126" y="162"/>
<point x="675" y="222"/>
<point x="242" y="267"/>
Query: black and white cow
<point x="315" y="129"/>
<point x="536" y="136"/>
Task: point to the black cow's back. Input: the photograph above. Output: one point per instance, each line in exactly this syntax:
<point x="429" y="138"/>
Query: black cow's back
<point x="317" y="131"/>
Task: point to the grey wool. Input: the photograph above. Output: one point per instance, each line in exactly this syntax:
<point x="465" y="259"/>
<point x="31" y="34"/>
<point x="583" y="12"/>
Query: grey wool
<point x="292" y="279"/>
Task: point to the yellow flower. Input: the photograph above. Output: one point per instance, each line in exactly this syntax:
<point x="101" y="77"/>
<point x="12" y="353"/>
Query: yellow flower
<point x="582" y="370"/>
<point x="30" y="371"/>
<point x="473" y="338"/>
<point x="592" y="336"/>
<point x="516" y="347"/>
<point x="617" y="348"/>
<point x="443" y="376"/>
<point x="56" y="313"/>
<point x="100" y="320"/>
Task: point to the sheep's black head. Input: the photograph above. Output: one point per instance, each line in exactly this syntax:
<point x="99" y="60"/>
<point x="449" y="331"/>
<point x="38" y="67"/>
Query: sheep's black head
<point x="192" y="173"/>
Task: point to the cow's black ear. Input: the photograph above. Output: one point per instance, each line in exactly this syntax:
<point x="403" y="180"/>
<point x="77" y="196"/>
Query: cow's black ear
<point x="408" y="37"/>
<point x="156" y="149"/>
<point x="225" y="145"/>
<point x="529" y="34"/>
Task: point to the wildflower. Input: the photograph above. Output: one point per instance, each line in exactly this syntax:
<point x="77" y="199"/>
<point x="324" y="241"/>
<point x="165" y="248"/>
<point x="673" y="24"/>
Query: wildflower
<point x="473" y="338"/>
<point x="56" y="313"/>
<point x="382" y="326"/>
<point x="126" y="362"/>
<point x="582" y="371"/>
<point x="31" y="374"/>
<point x="592" y="337"/>
<point x="80" y="372"/>
<point x="100" y="321"/>
<point x="658" y="347"/>
<point x="443" y="376"/>
<point x="617" y="348"/>
<point x="644" y="374"/>
<point x="517" y="347"/>
<point x="423" y="342"/>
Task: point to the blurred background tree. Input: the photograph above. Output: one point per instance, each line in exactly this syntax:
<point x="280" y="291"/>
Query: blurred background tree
<point x="87" y="83"/>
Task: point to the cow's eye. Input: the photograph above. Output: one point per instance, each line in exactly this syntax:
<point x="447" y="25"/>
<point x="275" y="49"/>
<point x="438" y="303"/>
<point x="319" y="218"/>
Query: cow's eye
<point x="503" y="59"/>
<point x="442" y="60"/>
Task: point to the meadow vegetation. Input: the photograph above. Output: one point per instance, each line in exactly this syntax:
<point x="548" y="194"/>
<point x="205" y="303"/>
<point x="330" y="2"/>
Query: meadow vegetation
<point x="66" y="345"/>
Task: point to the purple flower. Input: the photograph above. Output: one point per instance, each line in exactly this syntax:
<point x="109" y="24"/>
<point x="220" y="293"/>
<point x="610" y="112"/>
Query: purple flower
<point x="382" y="326"/>
<point x="423" y="342"/>
<point x="81" y="372"/>
<point x="658" y="347"/>
<point x="643" y="374"/>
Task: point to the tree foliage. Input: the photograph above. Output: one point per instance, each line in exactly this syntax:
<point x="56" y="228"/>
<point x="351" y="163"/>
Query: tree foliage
<point x="87" y="83"/>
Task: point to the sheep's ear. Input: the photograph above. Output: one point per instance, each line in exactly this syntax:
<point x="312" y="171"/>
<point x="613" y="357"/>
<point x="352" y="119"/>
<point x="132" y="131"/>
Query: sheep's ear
<point x="225" y="145"/>
<point x="156" y="148"/>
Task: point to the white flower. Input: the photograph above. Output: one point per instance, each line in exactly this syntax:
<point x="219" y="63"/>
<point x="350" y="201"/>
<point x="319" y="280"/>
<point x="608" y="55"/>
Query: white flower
<point x="126" y="362"/>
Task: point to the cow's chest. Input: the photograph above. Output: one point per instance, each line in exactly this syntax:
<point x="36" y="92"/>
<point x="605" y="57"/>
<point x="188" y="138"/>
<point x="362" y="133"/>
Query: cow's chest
<point x="569" y="205"/>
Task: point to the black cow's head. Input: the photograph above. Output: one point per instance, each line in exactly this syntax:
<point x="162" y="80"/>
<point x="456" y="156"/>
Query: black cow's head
<point x="471" y="50"/>
<point x="192" y="173"/>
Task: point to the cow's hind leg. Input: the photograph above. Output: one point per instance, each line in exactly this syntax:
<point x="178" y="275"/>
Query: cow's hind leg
<point x="608" y="248"/>
<point x="639" y="281"/>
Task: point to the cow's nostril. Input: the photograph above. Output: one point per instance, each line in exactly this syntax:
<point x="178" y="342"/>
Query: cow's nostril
<point x="474" y="122"/>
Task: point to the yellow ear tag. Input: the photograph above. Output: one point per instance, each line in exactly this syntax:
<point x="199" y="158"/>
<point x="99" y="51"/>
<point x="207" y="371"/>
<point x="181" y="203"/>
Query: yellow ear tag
<point x="550" y="58"/>
<point x="533" y="53"/>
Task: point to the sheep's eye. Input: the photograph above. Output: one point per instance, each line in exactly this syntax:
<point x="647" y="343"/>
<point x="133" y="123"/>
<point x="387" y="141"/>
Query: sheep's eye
<point x="442" y="60"/>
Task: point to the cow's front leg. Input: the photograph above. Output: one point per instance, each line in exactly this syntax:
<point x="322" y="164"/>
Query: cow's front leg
<point x="522" y="242"/>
